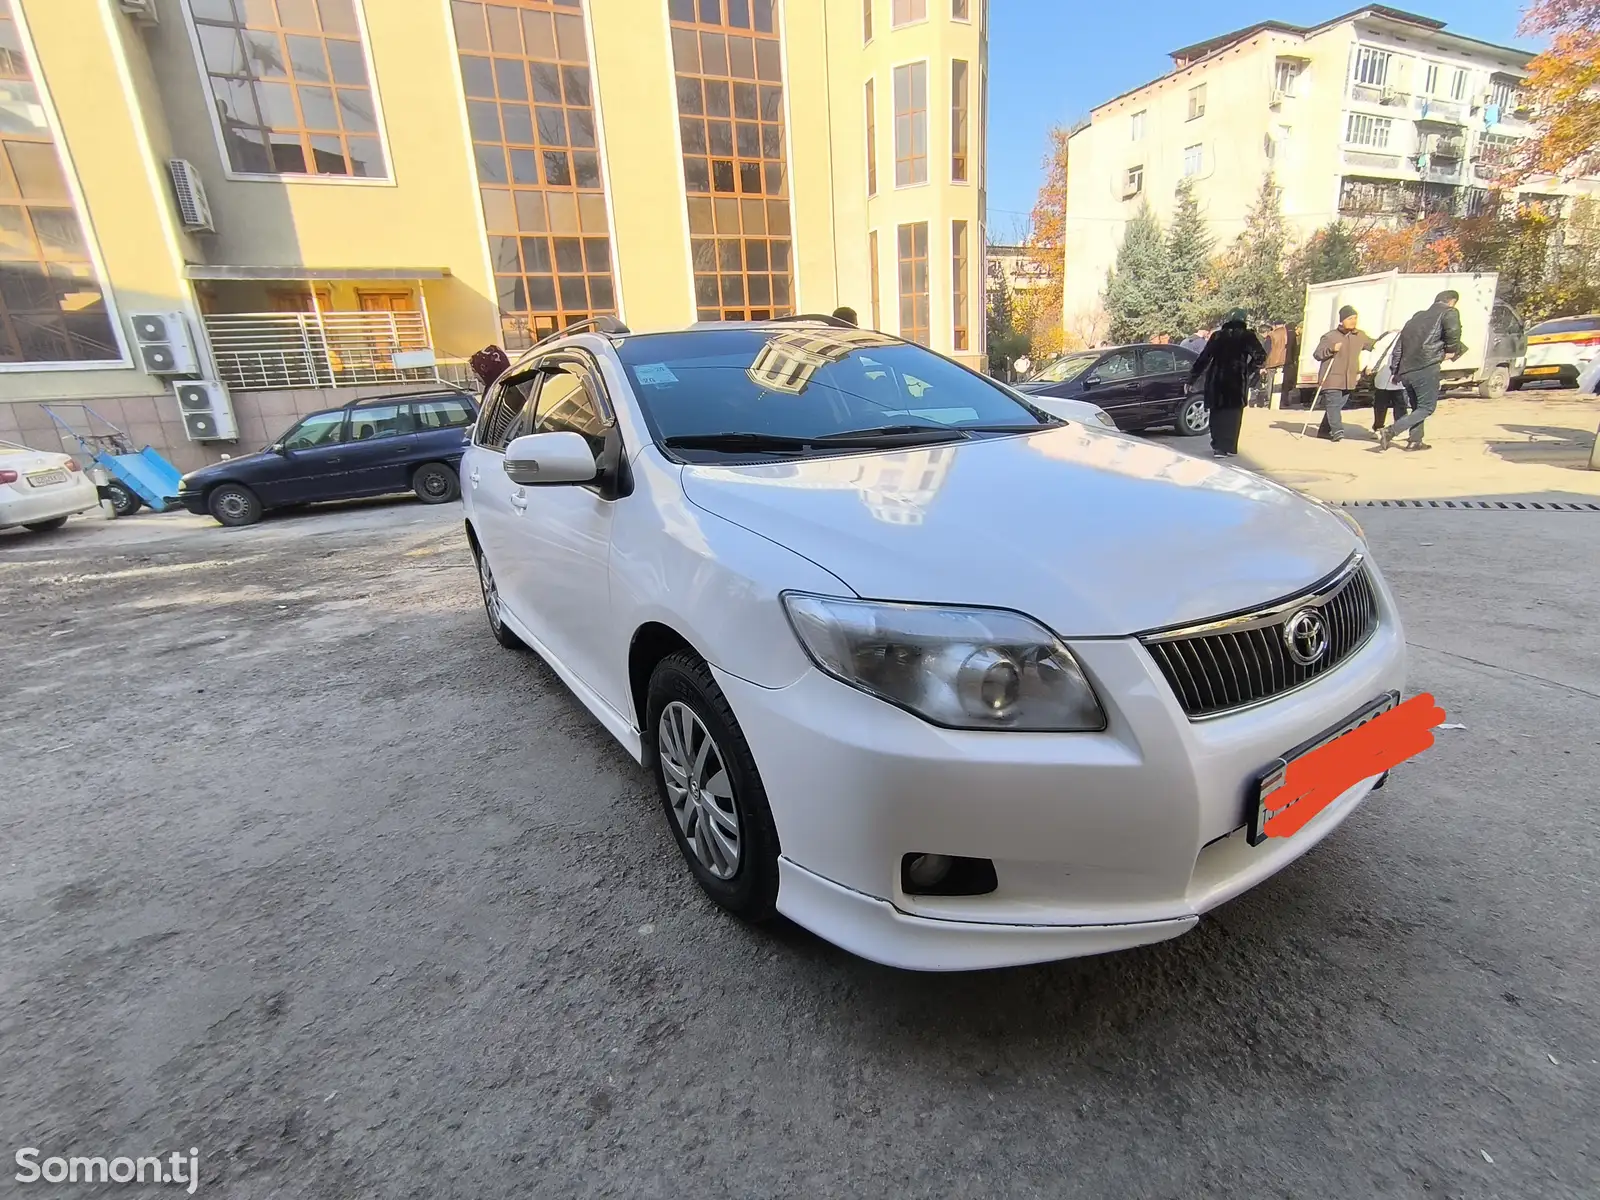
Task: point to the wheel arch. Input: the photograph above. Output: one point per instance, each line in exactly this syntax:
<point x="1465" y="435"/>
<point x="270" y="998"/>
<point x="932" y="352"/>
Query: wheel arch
<point x="651" y="642"/>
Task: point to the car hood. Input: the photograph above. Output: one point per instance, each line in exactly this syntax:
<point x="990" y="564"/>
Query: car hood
<point x="1094" y="533"/>
<point x="211" y="470"/>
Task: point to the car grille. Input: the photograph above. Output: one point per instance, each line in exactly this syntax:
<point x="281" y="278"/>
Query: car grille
<point x="1236" y="662"/>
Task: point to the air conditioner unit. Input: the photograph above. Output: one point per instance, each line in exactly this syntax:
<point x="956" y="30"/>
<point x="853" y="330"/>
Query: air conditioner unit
<point x="193" y="209"/>
<point x="1392" y="95"/>
<point x="163" y="343"/>
<point x="1278" y="95"/>
<point x="142" y="11"/>
<point x="206" y="411"/>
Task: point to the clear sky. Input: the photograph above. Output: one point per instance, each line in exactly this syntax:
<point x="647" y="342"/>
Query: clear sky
<point x="1051" y="61"/>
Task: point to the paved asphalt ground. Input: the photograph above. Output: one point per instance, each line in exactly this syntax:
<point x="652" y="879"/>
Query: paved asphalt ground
<point x="299" y="868"/>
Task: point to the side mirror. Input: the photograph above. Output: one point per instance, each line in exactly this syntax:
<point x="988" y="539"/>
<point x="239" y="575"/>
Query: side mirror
<point x="537" y="459"/>
<point x="279" y="448"/>
<point x="1092" y="380"/>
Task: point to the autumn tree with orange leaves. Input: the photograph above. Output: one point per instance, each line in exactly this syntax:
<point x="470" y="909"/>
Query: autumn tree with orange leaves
<point x="1039" y="308"/>
<point x="1564" y="85"/>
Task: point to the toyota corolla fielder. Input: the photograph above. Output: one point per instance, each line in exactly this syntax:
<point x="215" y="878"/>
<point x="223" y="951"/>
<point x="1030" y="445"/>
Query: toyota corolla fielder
<point x="946" y="679"/>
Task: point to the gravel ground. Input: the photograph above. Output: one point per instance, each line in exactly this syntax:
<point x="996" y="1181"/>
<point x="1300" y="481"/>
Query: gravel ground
<point x="299" y="868"/>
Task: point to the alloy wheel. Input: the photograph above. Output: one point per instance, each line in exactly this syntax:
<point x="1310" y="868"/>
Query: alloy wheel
<point x="699" y="789"/>
<point x="1195" y="418"/>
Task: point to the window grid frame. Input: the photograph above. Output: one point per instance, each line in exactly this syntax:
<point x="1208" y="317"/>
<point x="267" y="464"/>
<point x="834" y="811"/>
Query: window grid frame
<point x="866" y="22"/>
<point x="874" y="278"/>
<point x="1377" y="130"/>
<point x="557" y="235"/>
<point x="82" y="269"/>
<point x="1193" y="159"/>
<point x="916" y="12"/>
<point x="960" y="315"/>
<point x="1371" y="68"/>
<point x="753" y="226"/>
<point x="908" y="265"/>
<point x="1197" y="102"/>
<point x="911" y="161"/>
<point x="290" y="78"/>
<point x="960" y="106"/>
<point x="872" y="137"/>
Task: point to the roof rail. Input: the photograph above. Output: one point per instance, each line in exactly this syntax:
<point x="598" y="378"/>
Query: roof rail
<point x="824" y="318"/>
<point x="605" y="324"/>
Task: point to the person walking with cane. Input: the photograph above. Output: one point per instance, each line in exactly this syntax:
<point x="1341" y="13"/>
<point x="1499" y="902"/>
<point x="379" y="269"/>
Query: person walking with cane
<point x="1229" y="362"/>
<point x="1340" y="353"/>
<point x="1425" y="341"/>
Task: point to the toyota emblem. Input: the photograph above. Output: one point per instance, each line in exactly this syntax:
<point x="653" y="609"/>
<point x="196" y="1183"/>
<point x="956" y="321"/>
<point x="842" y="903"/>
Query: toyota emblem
<point x="1306" y="636"/>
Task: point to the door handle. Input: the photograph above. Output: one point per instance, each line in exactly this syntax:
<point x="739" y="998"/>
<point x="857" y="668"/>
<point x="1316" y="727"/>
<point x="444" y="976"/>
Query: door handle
<point x="519" y="500"/>
<point x="474" y="477"/>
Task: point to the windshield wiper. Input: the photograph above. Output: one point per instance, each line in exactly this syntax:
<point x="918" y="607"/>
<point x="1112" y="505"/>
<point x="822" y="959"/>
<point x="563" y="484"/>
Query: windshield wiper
<point x="892" y="433"/>
<point x="1050" y="424"/>
<point x="776" y="443"/>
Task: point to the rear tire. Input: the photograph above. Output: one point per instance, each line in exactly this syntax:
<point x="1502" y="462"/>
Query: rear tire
<point x="124" y="501"/>
<point x="491" y="604"/>
<point x="45" y="526"/>
<point x="711" y="791"/>
<point x="1194" y="417"/>
<point x="435" y="483"/>
<point x="233" y="504"/>
<point x="1495" y="384"/>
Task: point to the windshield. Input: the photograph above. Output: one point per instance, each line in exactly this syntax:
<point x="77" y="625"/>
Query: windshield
<point x="807" y="383"/>
<point x="1064" y="370"/>
<point x="1567" y="325"/>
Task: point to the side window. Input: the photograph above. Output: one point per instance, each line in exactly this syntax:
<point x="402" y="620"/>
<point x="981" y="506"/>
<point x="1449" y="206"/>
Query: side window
<point x="447" y="412"/>
<point x="1158" y="361"/>
<point x="1503" y="323"/>
<point x="369" y="421"/>
<point x="565" y="405"/>
<point x="1117" y="366"/>
<point x="502" y="409"/>
<point x="319" y="429"/>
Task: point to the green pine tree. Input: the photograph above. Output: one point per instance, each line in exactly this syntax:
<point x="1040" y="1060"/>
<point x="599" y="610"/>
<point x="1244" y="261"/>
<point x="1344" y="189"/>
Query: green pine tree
<point x="1332" y="252"/>
<point x="1189" y="248"/>
<point x="1138" y="287"/>
<point x="1252" y="273"/>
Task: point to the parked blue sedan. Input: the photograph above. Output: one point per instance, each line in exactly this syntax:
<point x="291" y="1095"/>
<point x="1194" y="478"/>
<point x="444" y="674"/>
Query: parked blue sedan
<point x="374" y="447"/>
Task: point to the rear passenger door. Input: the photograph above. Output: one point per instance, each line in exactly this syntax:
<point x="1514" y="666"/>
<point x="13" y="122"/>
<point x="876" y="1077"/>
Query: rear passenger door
<point x="1163" y="381"/>
<point x="378" y="448"/>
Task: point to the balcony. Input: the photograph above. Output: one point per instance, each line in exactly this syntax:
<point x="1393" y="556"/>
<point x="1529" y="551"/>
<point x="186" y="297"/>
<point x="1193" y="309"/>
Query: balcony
<point x="263" y="351"/>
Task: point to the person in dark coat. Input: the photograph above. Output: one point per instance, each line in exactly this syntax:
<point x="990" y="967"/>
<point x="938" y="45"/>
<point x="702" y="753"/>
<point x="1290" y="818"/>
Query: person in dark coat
<point x="1229" y="363"/>
<point x="1425" y="341"/>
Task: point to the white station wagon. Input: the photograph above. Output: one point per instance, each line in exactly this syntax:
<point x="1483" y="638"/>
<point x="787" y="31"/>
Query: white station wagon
<point x="946" y="679"/>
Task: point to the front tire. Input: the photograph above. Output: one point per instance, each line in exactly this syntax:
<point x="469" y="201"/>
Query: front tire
<point x="45" y="526"/>
<point x="435" y="483"/>
<point x="124" y="501"/>
<point x="1194" y="417"/>
<point x="491" y="605"/>
<point x="233" y="504"/>
<point x="711" y="791"/>
<point x="1495" y="384"/>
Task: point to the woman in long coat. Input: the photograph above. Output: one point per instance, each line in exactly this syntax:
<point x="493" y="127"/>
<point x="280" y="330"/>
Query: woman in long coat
<point x="1229" y="362"/>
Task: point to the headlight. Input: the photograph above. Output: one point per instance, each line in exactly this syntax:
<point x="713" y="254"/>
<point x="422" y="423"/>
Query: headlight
<point x="962" y="668"/>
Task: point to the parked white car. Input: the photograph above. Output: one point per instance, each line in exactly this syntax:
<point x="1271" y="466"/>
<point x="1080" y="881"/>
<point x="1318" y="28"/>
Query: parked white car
<point x="946" y="680"/>
<point x="40" y="489"/>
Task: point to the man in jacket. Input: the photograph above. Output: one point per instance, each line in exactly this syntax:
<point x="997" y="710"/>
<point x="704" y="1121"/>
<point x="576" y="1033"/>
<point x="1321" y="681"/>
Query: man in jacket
<point x="1339" y="352"/>
<point x="1425" y="341"/>
<point x="1276" y="339"/>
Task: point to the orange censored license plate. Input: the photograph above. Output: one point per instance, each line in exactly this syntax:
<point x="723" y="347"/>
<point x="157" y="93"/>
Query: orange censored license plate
<point x="1298" y="786"/>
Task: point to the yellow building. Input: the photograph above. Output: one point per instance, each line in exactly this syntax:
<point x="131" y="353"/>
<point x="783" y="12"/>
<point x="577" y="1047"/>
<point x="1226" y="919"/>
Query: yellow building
<point x="308" y="201"/>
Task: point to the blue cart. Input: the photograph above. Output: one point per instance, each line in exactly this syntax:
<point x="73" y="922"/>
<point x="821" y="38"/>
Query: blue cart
<point x="134" y="479"/>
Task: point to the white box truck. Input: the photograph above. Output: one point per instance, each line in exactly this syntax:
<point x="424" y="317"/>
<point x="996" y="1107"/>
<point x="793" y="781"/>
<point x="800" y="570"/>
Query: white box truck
<point x="1492" y="330"/>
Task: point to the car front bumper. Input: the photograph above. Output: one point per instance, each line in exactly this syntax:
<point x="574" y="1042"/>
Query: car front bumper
<point x="1550" y="373"/>
<point x="22" y="505"/>
<point x="194" y="502"/>
<point x="1100" y="841"/>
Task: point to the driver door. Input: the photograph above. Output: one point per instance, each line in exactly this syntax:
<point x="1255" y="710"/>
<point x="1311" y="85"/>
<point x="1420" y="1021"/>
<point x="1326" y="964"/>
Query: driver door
<point x="1116" y="386"/>
<point x="309" y="465"/>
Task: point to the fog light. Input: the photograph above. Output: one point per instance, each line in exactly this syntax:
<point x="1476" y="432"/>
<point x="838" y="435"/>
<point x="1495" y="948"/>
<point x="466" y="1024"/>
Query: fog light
<point x="928" y="870"/>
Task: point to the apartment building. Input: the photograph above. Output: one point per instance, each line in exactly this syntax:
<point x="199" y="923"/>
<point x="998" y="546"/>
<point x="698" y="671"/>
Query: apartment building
<point x="1376" y="114"/>
<point x="219" y="214"/>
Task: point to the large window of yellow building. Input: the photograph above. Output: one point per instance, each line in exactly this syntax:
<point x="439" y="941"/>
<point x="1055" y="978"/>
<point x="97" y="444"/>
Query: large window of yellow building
<point x="530" y="104"/>
<point x="52" y="306"/>
<point x="727" y="55"/>
<point x="289" y="85"/>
